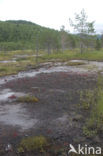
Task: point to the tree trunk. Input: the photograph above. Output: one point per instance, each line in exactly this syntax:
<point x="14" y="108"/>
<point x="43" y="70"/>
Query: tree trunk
<point x="37" y="51"/>
<point x="81" y="47"/>
<point x="49" y="50"/>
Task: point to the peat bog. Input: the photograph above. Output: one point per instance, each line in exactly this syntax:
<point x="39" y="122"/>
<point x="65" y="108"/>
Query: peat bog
<point x="57" y="114"/>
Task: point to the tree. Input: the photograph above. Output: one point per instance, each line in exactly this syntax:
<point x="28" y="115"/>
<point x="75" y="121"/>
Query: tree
<point x="64" y="37"/>
<point x="98" y="44"/>
<point x="72" y="41"/>
<point x="83" y="27"/>
<point x="50" y="40"/>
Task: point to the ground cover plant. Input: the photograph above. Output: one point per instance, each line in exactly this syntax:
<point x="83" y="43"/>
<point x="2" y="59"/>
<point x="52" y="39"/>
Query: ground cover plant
<point x="28" y="99"/>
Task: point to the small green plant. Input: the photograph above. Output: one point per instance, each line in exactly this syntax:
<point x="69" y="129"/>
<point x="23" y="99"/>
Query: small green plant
<point x="37" y="143"/>
<point x="20" y="150"/>
<point x="89" y="132"/>
<point x="28" y="99"/>
<point x="86" y="99"/>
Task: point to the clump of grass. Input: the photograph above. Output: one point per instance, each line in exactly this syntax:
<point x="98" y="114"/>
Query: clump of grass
<point x="94" y="124"/>
<point x="75" y="63"/>
<point x="37" y="143"/>
<point x="28" y="99"/>
<point x="88" y="132"/>
<point x="87" y="99"/>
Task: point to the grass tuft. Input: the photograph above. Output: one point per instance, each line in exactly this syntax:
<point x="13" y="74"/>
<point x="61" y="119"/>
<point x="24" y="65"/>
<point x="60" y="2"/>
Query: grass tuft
<point x="37" y="143"/>
<point x="75" y="63"/>
<point x="28" y="99"/>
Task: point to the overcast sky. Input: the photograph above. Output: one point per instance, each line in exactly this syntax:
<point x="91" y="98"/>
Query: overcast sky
<point x="51" y="13"/>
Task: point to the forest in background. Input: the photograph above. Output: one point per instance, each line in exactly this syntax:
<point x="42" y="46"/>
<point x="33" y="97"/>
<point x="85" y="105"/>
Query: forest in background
<point x="21" y="35"/>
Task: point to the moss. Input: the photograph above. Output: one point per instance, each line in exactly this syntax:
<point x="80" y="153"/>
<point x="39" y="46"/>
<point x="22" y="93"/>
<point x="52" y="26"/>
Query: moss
<point x="28" y="99"/>
<point x="75" y="63"/>
<point x="37" y="143"/>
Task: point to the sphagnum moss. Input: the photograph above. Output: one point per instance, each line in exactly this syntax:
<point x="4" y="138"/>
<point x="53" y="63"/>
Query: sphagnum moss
<point x="37" y="143"/>
<point x="28" y="99"/>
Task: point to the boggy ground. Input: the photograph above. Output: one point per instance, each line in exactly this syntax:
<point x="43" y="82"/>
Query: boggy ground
<point x="57" y="115"/>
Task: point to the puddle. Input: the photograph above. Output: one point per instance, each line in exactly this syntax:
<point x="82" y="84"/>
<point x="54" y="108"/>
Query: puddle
<point x="38" y="55"/>
<point x="84" y="61"/>
<point x="94" y="64"/>
<point x="21" y="56"/>
<point x="16" y="115"/>
<point x="9" y="61"/>
<point x="6" y="93"/>
<point x="99" y="65"/>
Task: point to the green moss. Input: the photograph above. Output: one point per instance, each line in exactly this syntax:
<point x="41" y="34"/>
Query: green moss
<point x="75" y="63"/>
<point x="28" y="99"/>
<point x="37" y="143"/>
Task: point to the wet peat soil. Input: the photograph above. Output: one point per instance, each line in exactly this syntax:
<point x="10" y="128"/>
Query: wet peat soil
<point x="59" y="116"/>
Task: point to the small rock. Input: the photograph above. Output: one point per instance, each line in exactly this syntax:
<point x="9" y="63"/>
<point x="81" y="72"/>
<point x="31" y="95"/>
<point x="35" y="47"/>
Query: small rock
<point x="8" y="147"/>
<point x="77" y="117"/>
<point x="26" y="135"/>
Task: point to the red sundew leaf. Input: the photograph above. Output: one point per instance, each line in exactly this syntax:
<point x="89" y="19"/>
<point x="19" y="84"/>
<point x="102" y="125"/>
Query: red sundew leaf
<point x="12" y="97"/>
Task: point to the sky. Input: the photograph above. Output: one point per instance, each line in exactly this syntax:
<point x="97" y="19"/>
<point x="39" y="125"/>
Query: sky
<point x="52" y="13"/>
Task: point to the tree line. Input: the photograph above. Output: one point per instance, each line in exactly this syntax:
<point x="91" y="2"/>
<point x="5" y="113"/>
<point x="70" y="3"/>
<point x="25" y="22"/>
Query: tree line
<point x="15" y="35"/>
